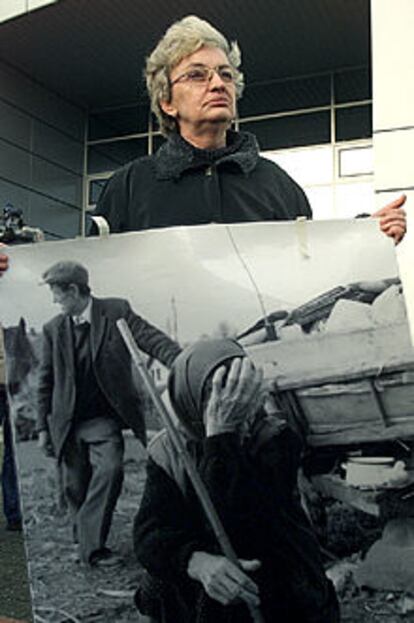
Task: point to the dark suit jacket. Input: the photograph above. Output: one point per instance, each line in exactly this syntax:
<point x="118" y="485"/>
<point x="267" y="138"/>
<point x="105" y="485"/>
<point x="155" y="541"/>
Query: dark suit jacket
<point x="111" y="362"/>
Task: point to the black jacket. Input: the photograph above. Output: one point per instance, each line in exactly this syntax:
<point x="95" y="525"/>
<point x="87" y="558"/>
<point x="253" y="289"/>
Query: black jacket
<point x="111" y="363"/>
<point x="182" y="185"/>
<point x="253" y="488"/>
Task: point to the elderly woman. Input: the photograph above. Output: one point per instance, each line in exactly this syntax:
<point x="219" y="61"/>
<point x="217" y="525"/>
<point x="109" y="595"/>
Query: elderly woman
<point x="249" y="464"/>
<point x="204" y="172"/>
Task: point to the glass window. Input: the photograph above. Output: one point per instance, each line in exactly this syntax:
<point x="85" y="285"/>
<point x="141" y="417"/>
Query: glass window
<point x="15" y="164"/>
<point x="295" y="131"/>
<point x="285" y="95"/>
<point x="16" y="195"/>
<point x="57" y="147"/>
<point x="352" y="85"/>
<point x="356" y="161"/>
<point x="111" y="156"/>
<point x="15" y="125"/>
<point x="353" y="123"/>
<point x="95" y="189"/>
<point x="54" y="219"/>
<point x="118" y="122"/>
<point x="56" y="182"/>
<point x="306" y="166"/>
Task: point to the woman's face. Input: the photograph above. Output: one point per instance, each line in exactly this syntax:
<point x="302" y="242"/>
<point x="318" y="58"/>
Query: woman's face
<point x="195" y="105"/>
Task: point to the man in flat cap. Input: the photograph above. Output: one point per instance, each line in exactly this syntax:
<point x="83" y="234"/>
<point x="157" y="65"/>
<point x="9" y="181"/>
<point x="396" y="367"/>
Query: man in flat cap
<point x="86" y="396"/>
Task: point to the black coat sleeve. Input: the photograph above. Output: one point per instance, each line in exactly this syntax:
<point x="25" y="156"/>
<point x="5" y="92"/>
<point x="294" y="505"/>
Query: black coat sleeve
<point x="250" y="490"/>
<point x="166" y="531"/>
<point x="229" y="479"/>
<point x="280" y="458"/>
<point x="151" y="340"/>
<point x="169" y="527"/>
<point x="113" y="204"/>
<point x="248" y="494"/>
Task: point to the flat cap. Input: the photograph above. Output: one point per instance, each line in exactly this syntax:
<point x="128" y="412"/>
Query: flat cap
<point x="66" y="272"/>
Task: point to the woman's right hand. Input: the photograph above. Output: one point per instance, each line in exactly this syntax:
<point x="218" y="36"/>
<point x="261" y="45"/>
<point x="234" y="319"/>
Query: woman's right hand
<point x="224" y="581"/>
<point x="234" y="399"/>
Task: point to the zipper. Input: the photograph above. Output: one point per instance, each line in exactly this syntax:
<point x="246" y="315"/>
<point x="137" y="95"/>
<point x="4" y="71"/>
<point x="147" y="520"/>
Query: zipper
<point x="213" y="194"/>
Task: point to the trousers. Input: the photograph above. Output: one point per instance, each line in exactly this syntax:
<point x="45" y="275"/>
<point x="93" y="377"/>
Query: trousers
<point x="92" y="479"/>
<point x="11" y="500"/>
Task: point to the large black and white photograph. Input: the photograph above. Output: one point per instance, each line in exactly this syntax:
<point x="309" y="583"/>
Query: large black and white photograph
<point x="213" y="423"/>
<point x="283" y="360"/>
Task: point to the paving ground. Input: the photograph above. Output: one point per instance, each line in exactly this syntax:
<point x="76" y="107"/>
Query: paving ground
<point x="14" y="586"/>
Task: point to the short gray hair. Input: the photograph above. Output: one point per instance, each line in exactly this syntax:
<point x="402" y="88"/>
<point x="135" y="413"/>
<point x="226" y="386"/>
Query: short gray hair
<point x="181" y="39"/>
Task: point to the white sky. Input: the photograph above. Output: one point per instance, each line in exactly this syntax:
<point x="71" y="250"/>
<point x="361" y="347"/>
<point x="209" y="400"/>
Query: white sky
<point x="199" y="268"/>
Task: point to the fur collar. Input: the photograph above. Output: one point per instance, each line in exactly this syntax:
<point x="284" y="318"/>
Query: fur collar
<point x="176" y="155"/>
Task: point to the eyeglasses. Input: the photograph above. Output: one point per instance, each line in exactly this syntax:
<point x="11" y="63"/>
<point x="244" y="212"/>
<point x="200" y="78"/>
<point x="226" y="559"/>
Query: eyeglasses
<point x="203" y="74"/>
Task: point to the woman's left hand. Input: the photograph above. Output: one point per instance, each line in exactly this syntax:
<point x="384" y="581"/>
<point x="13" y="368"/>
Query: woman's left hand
<point x="393" y="219"/>
<point x="222" y="580"/>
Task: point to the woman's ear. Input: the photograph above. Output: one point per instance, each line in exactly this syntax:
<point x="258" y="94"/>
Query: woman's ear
<point x="168" y="108"/>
